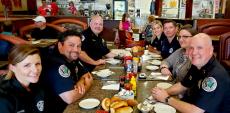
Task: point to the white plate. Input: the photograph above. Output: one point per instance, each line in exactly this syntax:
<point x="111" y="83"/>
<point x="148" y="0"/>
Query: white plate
<point x="156" y="62"/>
<point x="152" y="68"/>
<point x="112" y="61"/>
<point x="163" y="108"/>
<point x="89" y="103"/>
<point x="164" y="85"/>
<point x="103" y="73"/>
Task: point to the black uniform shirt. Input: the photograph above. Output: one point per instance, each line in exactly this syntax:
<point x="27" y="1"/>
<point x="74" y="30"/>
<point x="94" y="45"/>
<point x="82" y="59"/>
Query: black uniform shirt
<point x="59" y="76"/>
<point x="168" y="48"/>
<point x="209" y="86"/>
<point x="94" y="46"/>
<point x="157" y="42"/>
<point x="14" y="98"/>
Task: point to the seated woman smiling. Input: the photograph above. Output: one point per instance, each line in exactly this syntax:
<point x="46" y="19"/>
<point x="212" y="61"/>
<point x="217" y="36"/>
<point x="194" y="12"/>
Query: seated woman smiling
<point x="19" y="91"/>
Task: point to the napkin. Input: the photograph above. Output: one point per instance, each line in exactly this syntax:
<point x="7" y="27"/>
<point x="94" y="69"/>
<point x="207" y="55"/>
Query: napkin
<point x="162" y="77"/>
<point x="115" y="86"/>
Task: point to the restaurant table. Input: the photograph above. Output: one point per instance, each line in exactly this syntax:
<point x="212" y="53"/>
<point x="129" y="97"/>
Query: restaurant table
<point x="143" y="89"/>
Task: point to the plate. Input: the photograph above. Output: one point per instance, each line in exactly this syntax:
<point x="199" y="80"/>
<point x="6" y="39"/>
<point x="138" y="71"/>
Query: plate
<point x="89" y="103"/>
<point x="103" y="73"/>
<point x="164" y="85"/>
<point x="152" y="68"/>
<point x="156" y="62"/>
<point x="163" y="108"/>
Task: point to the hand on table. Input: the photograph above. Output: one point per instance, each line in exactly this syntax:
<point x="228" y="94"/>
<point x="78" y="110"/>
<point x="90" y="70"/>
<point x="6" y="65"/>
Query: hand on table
<point x="100" y="61"/>
<point x="166" y="71"/>
<point x="159" y="94"/>
<point x="80" y="87"/>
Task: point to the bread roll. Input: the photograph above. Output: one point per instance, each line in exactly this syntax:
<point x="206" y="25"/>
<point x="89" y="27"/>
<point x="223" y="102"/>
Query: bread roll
<point x="132" y="102"/>
<point x="118" y="104"/>
<point x="115" y="98"/>
<point x="105" y="104"/>
<point x="126" y="109"/>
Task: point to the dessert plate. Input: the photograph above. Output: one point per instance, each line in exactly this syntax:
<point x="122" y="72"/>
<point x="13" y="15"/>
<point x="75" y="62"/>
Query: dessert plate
<point x="164" y="85"/>
<point x="152" y="68"/>
<point x="163" y="108"/>
<point x="89" y="103"/>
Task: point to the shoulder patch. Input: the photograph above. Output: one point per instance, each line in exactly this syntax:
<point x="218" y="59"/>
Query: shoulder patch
<point x="40" y="105"/>
<point x="209" y="84"/>
<point x="64" y="71"/>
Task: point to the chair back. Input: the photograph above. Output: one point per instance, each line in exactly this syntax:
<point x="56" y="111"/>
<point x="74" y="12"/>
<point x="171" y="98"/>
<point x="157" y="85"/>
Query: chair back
<point x="224" y="47"/>
<point x="215" y="28"/>
<point x="123" y="37"/>
<point x="70" y="24"/>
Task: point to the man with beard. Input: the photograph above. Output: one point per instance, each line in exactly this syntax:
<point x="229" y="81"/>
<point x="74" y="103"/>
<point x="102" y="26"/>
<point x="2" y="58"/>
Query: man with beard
<point x="61" y="77"/>
<point x="93" y="46"/>
<point x="207" y="81"/>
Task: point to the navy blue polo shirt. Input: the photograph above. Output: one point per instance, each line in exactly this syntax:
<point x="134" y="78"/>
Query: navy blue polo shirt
<point x="157" y="42"/>
<point x="168" y="48"/>
<point x="209" y="87"/>
<point x="59" y="76"/>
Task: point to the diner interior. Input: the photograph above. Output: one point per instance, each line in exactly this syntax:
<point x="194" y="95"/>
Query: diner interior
<point x="130" y="45"/>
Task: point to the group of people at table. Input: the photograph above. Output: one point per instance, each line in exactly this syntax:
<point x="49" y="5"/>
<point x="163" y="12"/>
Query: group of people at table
<point x="38" y="82"/>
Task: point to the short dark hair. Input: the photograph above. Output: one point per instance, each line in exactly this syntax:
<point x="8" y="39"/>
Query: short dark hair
<point x="63" y="36"/>
<point x="170" y="21"/>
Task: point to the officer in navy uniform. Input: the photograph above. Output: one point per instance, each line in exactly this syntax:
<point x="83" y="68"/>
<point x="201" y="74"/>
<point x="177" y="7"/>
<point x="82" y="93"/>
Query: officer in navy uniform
<point x="19" y="91"/>
<point x="170" y="44"/>
<point x="93" y="46"/>
<point x="64" y="78"/>
<point x="207" y="82"/>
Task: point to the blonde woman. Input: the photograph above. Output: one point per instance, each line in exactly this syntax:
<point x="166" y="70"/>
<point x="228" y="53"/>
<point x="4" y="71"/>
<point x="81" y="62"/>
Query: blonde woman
<point x="19" y="91"/>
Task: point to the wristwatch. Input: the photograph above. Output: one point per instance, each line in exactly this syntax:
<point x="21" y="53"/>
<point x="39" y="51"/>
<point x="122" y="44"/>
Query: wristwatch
<point x="167" y="99"/>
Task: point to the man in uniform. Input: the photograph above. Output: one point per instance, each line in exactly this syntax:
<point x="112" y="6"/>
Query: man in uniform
<point x="170" y="43"/>
<point x="207" y="81"/>
<point x="63" y="77"/>
<point x="93" y="46"/>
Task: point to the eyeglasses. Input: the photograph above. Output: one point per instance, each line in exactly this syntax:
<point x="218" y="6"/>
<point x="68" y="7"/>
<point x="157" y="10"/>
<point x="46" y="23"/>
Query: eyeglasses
<point x="184" y="37"/>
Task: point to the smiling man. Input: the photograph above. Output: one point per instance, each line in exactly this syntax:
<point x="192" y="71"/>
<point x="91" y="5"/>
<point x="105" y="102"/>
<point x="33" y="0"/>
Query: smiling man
<point x="169" y="44"/>
<point x="207" y="81"/>
<point x="93" y="46"/>
<point x="64" y="78"/>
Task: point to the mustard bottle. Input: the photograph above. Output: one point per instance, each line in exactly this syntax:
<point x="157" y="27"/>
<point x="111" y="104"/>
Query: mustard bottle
<point x="134" y="85"/>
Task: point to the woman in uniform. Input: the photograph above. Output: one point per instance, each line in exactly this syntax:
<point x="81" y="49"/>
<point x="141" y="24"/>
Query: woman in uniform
<point x="19" y="91"/>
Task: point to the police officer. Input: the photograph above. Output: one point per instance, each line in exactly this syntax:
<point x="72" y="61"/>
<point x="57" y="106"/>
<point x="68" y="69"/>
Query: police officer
<point x="62" y="79"/>
<point x="169" y="44"/>
<point x="19" y="91"/>
<point x="93" y="46"/>
<point x="207" y="81"/>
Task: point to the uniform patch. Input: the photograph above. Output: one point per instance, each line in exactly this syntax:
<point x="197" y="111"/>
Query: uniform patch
<point x="170" y="50"/>
<point x="64" y="71"/>
<point x="209" y="84"/>
<point x="40" y="105"/>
